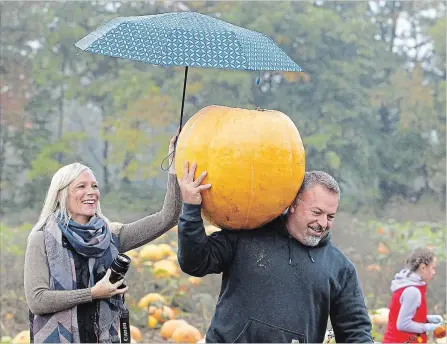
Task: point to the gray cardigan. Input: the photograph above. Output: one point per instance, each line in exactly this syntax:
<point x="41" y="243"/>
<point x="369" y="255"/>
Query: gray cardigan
<point x="42" y="300"/>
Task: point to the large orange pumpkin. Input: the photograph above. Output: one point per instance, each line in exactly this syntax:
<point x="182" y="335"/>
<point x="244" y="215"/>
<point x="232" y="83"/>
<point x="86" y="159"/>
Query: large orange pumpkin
<point x="255" y="161"/>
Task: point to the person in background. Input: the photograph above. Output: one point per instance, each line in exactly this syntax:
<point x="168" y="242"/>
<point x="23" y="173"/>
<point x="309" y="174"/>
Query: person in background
<point x="408" y="320"/>
<point x="280" y="282"/>
<point x="69" y="252"/>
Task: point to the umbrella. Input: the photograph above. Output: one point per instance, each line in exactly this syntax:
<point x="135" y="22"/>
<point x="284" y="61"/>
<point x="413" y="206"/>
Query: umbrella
<point x="187" y="39"/>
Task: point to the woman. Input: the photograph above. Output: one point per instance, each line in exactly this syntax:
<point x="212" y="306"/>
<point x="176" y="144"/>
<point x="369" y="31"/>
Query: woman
<point x="69" y="251"/>
<point x="408" y="320"/>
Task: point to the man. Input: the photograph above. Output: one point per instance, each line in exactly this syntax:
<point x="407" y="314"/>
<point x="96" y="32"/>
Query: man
<point x="281" y="282"/>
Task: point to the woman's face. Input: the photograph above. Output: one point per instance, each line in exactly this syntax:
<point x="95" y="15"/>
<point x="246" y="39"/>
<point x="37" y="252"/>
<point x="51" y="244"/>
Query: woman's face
<point x="83" y="197"/>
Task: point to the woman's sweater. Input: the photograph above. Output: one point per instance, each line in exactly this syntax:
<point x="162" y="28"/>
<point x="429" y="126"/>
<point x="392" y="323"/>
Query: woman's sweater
<point x="42" y="300"/>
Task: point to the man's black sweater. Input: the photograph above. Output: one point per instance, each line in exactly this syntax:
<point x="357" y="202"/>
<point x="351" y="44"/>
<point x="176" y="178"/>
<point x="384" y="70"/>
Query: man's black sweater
<point x="274" y="289"/>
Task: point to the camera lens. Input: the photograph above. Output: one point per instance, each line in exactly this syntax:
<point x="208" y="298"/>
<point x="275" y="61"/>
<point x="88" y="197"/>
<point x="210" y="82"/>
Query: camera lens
<point x="119" y="267"/>
<point x="121" y="263"/>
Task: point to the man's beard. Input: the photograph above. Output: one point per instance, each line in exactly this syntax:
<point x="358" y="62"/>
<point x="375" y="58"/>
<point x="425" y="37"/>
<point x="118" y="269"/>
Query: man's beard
<point x="311" y="240"/>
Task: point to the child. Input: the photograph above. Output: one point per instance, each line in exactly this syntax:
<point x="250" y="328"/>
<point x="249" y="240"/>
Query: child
<point x="408" y="320"/>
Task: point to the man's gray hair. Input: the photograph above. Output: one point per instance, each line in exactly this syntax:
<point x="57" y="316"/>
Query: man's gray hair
<point x="318" y="178"/>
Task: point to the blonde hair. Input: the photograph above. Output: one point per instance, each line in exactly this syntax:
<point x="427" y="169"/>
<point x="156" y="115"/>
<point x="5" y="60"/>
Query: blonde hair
<point x="57" y="195"/>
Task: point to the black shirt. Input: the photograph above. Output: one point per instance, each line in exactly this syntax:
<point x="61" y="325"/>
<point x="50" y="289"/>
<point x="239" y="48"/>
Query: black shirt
<point x="86" y="312"/>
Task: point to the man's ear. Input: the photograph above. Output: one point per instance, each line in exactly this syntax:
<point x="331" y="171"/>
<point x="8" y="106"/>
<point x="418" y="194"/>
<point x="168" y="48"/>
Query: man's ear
<point x="292" y="207"/>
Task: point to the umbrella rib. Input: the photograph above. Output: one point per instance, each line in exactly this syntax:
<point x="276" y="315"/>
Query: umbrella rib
<point x="85" y="42"/>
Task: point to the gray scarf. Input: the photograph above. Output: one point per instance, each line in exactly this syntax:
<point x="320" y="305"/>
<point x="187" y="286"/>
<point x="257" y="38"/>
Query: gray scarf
<point x="62" y="327"/>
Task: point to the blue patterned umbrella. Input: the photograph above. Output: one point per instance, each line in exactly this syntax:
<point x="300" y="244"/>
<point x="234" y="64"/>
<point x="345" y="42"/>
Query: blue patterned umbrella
<point x="187" y="39"/>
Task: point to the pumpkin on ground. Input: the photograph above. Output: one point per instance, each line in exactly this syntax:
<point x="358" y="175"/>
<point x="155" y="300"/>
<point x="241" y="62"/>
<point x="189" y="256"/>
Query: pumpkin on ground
<point x="440" y="331"/>
<point x="168" y="328"/>
<point x="150" y="298"/>
<point x="186" y="334"/>
<point x="23" y="337"/>
<point x="135" y="333"/>
<point x="152" y="321"/>
<point x="255" y="162"/>
<point x="161" y="314"/>
<point x="166" y="268"/>
<point x="151" y="252"/>
<point x="380" y="317"/>
<point x="165" y="249"/>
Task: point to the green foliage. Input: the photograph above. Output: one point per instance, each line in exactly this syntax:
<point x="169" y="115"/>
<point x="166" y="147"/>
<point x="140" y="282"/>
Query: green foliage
<point x="401" y="238"/>
<point x="368" y="111"/>
<point x="46" y="161"/>
<point x="12" y="239"/>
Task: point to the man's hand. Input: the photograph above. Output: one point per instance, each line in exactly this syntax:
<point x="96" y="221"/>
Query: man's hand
<point x="191" y="188"/>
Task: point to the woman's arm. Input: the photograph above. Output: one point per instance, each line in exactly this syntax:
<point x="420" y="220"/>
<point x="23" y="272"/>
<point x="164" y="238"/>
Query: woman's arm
<point x="140" y="232"/>
<point x="40" y="298"/>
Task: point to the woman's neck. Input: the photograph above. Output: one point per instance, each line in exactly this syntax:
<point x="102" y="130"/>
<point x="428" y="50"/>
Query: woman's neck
<point x="82" y="220"/>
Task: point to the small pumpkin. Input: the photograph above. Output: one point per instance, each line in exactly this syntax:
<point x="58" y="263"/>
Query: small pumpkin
<point x="165" y="249"/>
<point x="23" y="337"/>
<point x="135" y="333"/>
<point x="168" y="328"/>
<point x="186" y="334"/>
<point x="150" y="298"/>
<point x="383" y="249"/>
<point x="166" y="268"/>
<point x="194" y="280"/>
<point x="162" y="314"/>
<point x="380" y="317"/>
<point x="440" y="331"/>
<point x="152" y="321"/>
<point x="255" y="162"/>
<point x="151" y="252"/>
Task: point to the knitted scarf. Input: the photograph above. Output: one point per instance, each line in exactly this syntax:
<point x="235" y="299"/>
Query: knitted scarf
<point x="95" y="241"/>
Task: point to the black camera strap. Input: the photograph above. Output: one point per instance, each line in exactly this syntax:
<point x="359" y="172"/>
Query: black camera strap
<point x="125" y="324"/>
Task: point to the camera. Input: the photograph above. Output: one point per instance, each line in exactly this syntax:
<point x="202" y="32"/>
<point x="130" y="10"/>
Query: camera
<point x="119" y="267"/>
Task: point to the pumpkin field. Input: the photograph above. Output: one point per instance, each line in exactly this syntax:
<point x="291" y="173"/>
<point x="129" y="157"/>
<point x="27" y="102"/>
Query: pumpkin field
<point x="166" y="305"/>
<point x="368" y="108"/>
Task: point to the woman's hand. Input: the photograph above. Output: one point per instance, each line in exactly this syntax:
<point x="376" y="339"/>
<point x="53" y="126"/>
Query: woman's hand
<point x="172" y="153"/>
<point x="104" y="289"/>
<point x="191" y="188"/>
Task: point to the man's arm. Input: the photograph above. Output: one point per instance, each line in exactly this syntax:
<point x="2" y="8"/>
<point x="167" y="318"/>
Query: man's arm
<point x="199" y="254"/>
<point x="349" y="316"/>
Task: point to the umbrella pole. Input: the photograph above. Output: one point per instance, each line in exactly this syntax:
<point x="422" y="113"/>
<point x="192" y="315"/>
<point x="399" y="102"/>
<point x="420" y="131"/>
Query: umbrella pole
<point x="181" y="119"/>
<point x="183" y="98"/>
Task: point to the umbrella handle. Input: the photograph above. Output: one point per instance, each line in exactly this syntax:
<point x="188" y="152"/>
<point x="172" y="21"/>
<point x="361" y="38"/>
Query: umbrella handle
<point x="181" y="120"/>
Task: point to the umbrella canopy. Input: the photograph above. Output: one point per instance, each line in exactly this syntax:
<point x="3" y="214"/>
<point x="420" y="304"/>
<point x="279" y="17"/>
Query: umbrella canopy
<point x="187" y="39"/>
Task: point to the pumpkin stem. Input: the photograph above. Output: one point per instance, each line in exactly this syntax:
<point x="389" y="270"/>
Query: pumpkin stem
<point x="259" y="109"/>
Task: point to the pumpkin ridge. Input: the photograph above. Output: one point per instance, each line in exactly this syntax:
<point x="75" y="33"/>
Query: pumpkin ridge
<point x="208" y="195"/>
<point x="250" y="197"/>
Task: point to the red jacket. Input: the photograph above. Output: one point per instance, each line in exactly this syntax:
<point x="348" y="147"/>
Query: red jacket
<point x="392" y="334"/>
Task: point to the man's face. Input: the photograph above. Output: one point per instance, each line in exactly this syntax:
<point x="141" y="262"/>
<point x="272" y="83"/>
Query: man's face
<point x="312" y="216"/>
